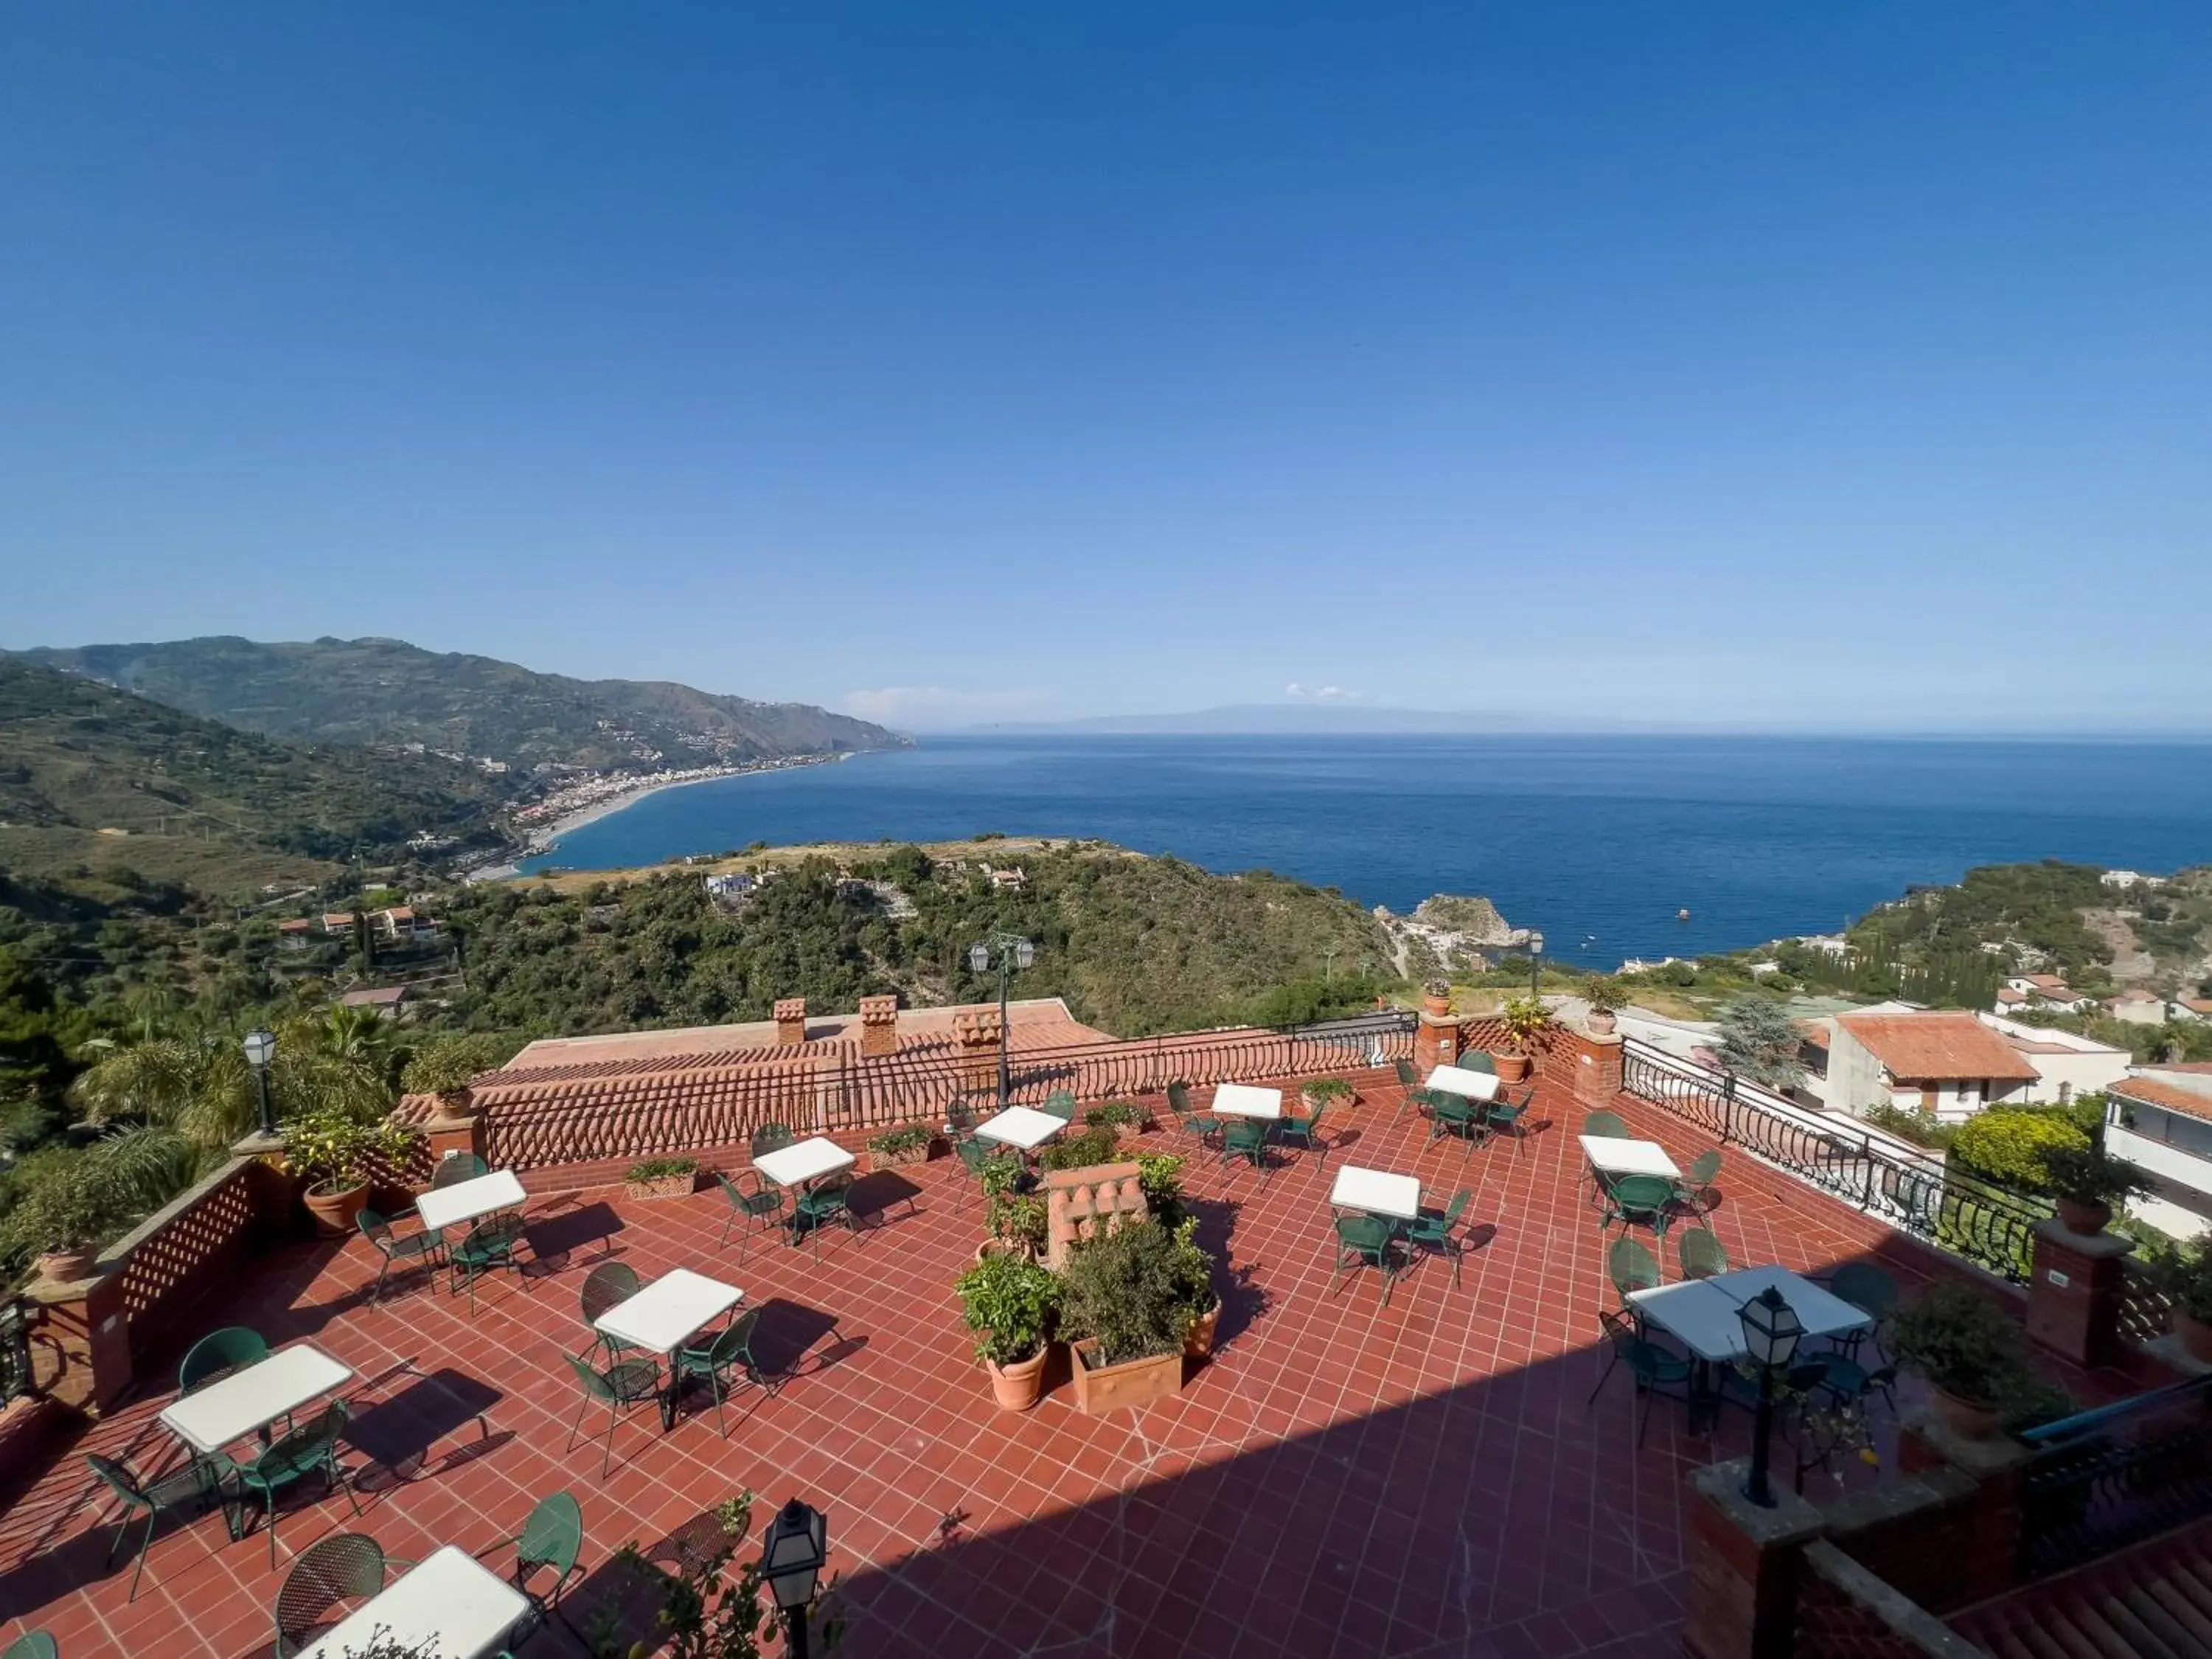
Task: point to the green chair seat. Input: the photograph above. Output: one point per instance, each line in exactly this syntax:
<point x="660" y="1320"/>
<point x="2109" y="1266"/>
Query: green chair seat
<point x="733" y="1347"/>
<point x="427" y="1247"/>
<point x="820" y="1206"/>
<point x="760" y="1208"/>
<point x="1246" y="1138"/>
<point x="1432" y="1230"/>
<point x="313" y="1449"/>
<point x="32" y="1644"/>
<point x="1365" y="1240"/>
<point x="630" y="1382"/>
<point x="491" y="1245"/>
<point x="1636" y="1200"/>
<point x="1307" y="1132"/>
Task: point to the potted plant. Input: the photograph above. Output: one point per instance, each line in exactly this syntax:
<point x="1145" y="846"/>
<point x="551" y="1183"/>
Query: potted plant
<point x="2185" y="1277"/>
<point x="1011" y="1302"/>
<point x="335" y="1150"/>
<point x="1161" y="1178"/>
<point x="1126" y="1118"/>
<point x="1603" y="1018"/>
<point x="1525" y="1019"/>
<point x="1437" y="997"/>
<point x="62" y="1218"/>
<point x="1326" y="1092"/>
<point x="1125" y="1302"/>
<point x="1016" y="1216"/>
<point x="2085" y="1182"/>
<point x="1968" y="1351"/>
<point x="661" y="1178"/>
<point x="1194" y="1272"/>
<point x="907" y="1143"/>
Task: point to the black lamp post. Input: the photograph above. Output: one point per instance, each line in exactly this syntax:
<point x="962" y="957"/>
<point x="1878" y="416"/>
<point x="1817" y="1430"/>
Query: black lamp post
<point x="792" y="1555"/>
<point x="1535" y="964"/>
<point x="260" y="1046"/>
<point x="1771" y="1334"/>
<point x="1012" y="951"/>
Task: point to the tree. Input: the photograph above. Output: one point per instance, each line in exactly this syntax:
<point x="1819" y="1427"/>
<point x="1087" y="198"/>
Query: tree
<point x="200" y="1085"/>
<point x="1760" y="1041"/>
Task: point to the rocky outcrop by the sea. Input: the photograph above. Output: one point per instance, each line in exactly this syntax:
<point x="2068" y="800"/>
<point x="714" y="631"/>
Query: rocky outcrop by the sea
<point x="1448" y="931"/>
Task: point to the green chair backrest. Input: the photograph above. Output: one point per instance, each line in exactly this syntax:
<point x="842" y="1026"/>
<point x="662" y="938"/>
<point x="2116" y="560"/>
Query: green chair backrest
<point x="607" y="1286"/>
<point x="495" y="1236"/>
<point x="1363" y="1232"/>
<point x="972" y="1153"/>
<point x="729" y="1344"/>
<point x="1865" y="1286"/>
<point x="347" y="1567"/>
<point x="461" y="1166"/>
<point x="1478" y="1060"/>
<point x="595" y="1383"/>
<point x="1701" y="1253"/>
<point x="1458" y="1204"/>
<point x="120" y="1480"/>
<point x="1703" y="1168"/>
<point x="1641" y="1191"/>
<point x="1408" y="1077"/>
<point x="1630" y="1266"/>
<point x="771" y="1137"/>
<point x="218" y="1354"/>
<point x="32" y="1644"/>
<point x="305" y="1447"/>
<point x="373" y="1227"/>
<point x="1606" y="1124"/>
<point x="1245" y="1132"/>
<point x="1179" y="1099"/>
<point x="551" y="1537"/>
<point x="1060" y="1103"/>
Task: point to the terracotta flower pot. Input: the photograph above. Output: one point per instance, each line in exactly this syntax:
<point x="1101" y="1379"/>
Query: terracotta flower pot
<point x="2086" y="1219"/>
<point x="1020" y="1386"/>
<point x="1434" y="1004"/>
<point x="1198" y="1342"/>
<point x="1512" y="1068"/>
<point x="67" y="1267"/>
<point x="1602" y="1022"/>
<point x="1102" y="1388"/>
<point x="2195" y="1336"/>
<point x="1970" y="1420"/>
<point x="334" y="1209"/>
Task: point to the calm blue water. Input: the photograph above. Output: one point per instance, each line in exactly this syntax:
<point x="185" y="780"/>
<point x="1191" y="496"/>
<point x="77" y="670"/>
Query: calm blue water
<point x="1596" y="841"/>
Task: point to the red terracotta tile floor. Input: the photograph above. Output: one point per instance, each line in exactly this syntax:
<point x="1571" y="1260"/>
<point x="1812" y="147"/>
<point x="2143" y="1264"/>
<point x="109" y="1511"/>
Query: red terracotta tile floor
<point x="1342" y="1479"/>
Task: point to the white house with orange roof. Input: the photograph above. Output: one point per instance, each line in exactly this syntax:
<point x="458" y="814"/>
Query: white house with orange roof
<point x="2160" y="1119"/>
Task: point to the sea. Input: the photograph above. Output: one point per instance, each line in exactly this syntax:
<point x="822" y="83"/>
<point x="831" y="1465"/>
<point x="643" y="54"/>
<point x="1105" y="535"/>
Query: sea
<point x="1600" y="842"/>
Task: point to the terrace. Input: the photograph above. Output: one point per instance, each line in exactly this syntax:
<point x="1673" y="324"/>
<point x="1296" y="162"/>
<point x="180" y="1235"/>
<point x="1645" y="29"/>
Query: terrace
<point x="1341" y="1478"/>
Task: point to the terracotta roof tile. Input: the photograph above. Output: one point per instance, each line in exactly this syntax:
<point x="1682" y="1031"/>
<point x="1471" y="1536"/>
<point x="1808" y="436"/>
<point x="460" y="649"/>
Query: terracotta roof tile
<point x="1938" y="1046"/>
<point x="2171" y="1096"/>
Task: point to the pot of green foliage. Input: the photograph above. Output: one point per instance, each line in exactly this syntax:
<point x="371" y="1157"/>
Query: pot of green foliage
<point x="62" y="1217"/>
<point x="1326" y="1092"/>
<point x="1193" y="1271"/>
<point x="1014" y="1216"/>
<point x="1011" y="1301"/>
<point x="336" y="1152"/>
<point x="1525" y="1019"/>
<point x="907" y="1143"/>
<point x="661" y="1178"/>
<point x="1603" y="1019"/>
<point x="1126" y="1305"/>
<point x="2085" y="1182"/>
<point x="1970" y="1352"/>
<point x="1126" y="1118"/>
<point x="2185" y="1275"/>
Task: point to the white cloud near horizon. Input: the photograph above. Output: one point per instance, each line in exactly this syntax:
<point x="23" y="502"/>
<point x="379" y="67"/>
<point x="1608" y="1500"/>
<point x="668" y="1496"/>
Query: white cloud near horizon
<point x="1319" y="694"/>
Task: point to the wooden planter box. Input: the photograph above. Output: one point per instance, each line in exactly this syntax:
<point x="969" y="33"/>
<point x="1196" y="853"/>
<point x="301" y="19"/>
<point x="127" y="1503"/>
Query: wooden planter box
<point x="1103" y="1389"/>
<point x="675" y="1185"/>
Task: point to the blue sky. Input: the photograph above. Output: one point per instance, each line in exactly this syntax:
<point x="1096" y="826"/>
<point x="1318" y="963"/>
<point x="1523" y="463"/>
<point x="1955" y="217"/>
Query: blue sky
<point x="1840" y="367"/>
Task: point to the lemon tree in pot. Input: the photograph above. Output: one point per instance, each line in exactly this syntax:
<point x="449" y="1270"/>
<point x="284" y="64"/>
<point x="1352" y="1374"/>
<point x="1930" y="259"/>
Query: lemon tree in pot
<point x="1126" y="1305"/>
<point x="1970" y="1352"/>
<point x="335" y="1150"/>
<point x="1011" y="1301"/>
<point x="1525" y="1019"/>
<point x="2085" y="1182"/>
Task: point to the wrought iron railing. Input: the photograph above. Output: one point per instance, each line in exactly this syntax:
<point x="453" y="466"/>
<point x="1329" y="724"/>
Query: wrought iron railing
<point x="1988" y="1225"/>
<point x="2146" y="1310"/>
<point x="2111" y="1477"/>
<point x="15" y="1350"/>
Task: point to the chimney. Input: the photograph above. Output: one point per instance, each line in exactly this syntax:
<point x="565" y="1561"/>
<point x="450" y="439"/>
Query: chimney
<point x="976" y="1032"/>
<point x="790" y="1021"/>
<point x="879" y="1025"/>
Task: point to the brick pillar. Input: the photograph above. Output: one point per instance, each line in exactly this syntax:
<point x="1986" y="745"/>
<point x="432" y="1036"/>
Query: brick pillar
<point x="1435" y="1042"/>
<point x="1981" y="1554"/>
<point x="879" y="1025"/>
<point x="455" y="1128"/>
<point x="790" y="1021"/>
<point x="2073" y="1295"/>
<point x="1744" y="1563"/>
<point x="81" y="1350"/>
<point x="1597" y="1066"/>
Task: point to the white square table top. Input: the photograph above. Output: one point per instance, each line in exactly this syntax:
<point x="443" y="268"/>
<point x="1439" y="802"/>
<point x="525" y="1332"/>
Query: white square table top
<point x="465" y="1200"/>
<point x="1819" y="1311"/>
<point x="1020" y="1125"/>
<point x="450" y="1598"/>
<point x="1458" y="1080"/>
<point x="665" y="1313"/>
<point x="1704" y="1318"/>
<point x="211" y="1418"/>
<point x="1377" y="1192"/>
<point x="803" y="1160"/>
<point x="1614" y="1157"/>
<point x="1247" y="1100"/>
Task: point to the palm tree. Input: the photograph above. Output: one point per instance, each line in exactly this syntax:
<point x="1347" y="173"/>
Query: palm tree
<point x="199" y="1085"/>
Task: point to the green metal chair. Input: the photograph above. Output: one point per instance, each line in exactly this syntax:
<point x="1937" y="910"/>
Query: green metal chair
<point x="1433" y="1229"/>
<point x="490" y="1246"/>
<point x="959" y="1119"/>
<point x="304" y="1451"/>
<point x="552" y="1539"/>
<point x="1655" y="1369"/>
<point x="1205" y="1128"/>
<point x="630" y="1382"/>
<point x="1306" y="1131"/>
<point x="973" y="1157"/>
<point x="1246" y="1138"/>
<point x="1477" y="1060"/>
<point x="329" y="1572"/>
<point x="1694" y="1190"/>
<point x="1060" y="1103"/>
<point x="219" y="1354"/>
<point x="427" y="1248"/>
<point x="1699" y="1253"/>
<point x="771" y="1138"/>
<point x="1637" y="1200"/>
<point x="1846" y="1383"/>
<point x="1505" y="1115"/>
<point x="1364" y="1241"/>
<point x="1608" y="1125"/>
<point x="731" y="1347"/>
<point x="1409" y="1085"/>
<point x="31" y="1644"/>
<point x="1869" y="1290"/>
<point x="461" y="1166"/>
<point x="606" y="1287"/>
<point x="1455" y="1114"/>
<point x="164" y="1492"/>
<point x="820" y="1206"/>
<point x="762" y="1207"/>
<point x="1631" y="1268"/>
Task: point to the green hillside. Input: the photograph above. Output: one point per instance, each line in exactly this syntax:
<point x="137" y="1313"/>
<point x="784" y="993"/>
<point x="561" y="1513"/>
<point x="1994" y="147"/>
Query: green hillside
<point x="90" y="775"/>
<point x="389" y="692"/>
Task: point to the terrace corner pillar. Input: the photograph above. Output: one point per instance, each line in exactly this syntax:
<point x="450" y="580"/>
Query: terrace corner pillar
<point x="81" y="1350"/>
<point x="2074" y="1292"/>
<point x="1435" y="1039"/>
<point x="273" y="1191"/>
<point x="1980" y="1544"/>
<point x="454" y="1126"/>
<point x="1597" y="1066"/>
<point x="1744" y="1562"/>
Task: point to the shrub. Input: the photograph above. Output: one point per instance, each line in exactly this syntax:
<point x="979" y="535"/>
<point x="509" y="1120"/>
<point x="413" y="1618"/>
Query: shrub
<point x="1011" y="1302"/>
<point x="660" y="1168"/>
<point x="2090" y="1175"/>
<point x="1099" y="1145"/>
<point x="1161" y="1178"/>
<point x="1603" y="994"/>
<point x="1129" y="1292"/>
<point x="445" y="1064"/>
<point x="1960" y="1341"/>
<point x="1115" y="1114"/>
<point x="907" y="1137"/>
<point x="1194" y="1269"/>
<point x="338" y="1147"/>
<point x="2184" y="1274"/>
<point x="1908" y="1123"/>
<point x="1324" y="1089"/>
<point x="67" y="1208"/>
<point x="2012" y="1148"/>
<point x="1760" y="1041"/>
